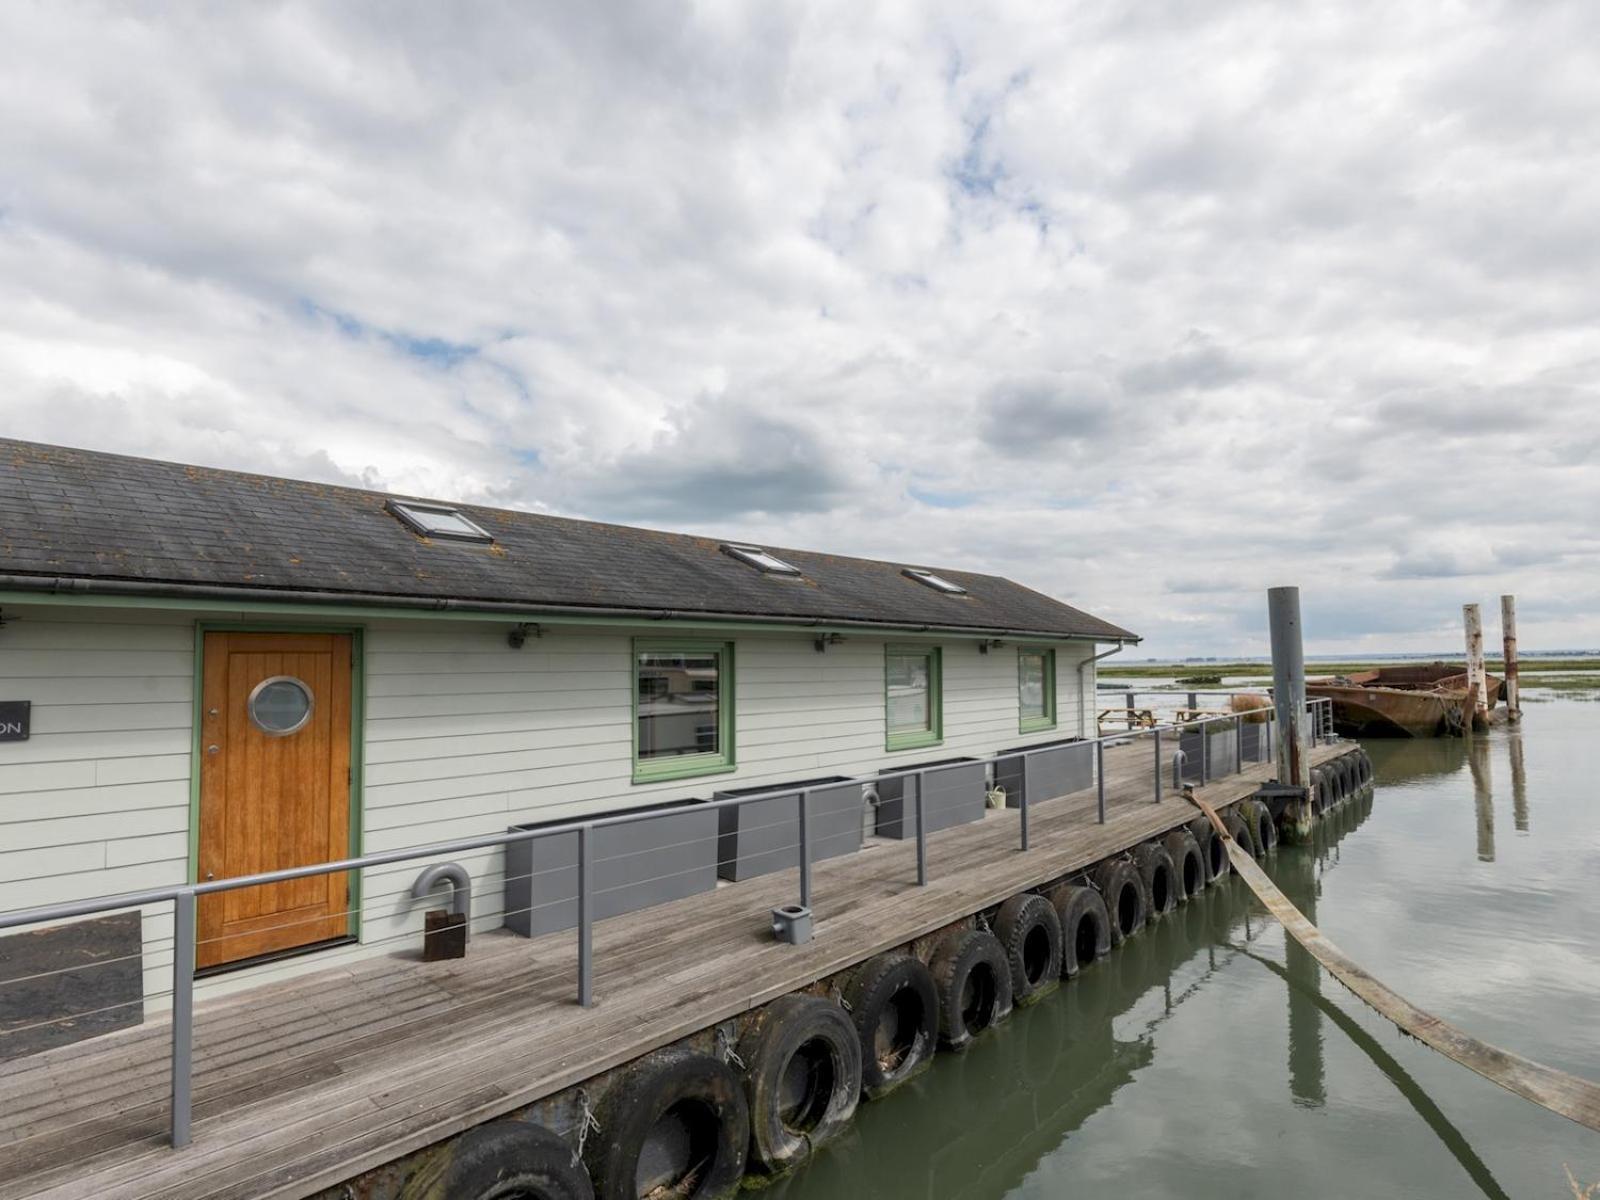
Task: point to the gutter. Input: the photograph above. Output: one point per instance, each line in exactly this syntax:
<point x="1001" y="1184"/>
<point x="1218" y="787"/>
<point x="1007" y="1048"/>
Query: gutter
<point x="1083" y="715"/>
<point x="76" y="586"/>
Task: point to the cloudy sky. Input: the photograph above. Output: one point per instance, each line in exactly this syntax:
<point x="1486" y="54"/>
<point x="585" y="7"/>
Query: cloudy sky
<point x="1148" y="306"/>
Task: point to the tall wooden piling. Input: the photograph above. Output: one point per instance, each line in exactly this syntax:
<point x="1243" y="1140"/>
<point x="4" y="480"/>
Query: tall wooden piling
<point x="1289" y="701"/>
<point x="1477" y="677"/>
<point x="1508" y="631"/>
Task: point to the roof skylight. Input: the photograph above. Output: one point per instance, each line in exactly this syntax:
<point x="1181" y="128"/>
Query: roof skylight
<point x="438" y="521"/>
<point x="937" y="582"/>
<point x="755" y="556"/>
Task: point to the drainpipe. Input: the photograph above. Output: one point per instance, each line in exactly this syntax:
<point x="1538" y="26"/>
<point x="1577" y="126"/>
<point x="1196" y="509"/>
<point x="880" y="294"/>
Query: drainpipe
<point x="1083" y="712"/>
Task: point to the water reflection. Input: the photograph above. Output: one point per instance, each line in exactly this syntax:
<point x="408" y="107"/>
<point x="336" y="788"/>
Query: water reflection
<point x="980" y="1123"/>
<point x="1519" y="781"/>
<point x="1482" y="794"/>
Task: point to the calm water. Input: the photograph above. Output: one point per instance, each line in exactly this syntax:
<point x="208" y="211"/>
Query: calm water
<point x="1208" y="1059"/>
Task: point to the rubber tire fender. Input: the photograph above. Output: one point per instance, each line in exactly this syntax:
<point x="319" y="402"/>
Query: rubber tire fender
<point x="642" y="1094"/>
<point x="1019" y="919"/>
<point x="960" y="955"/>
<point x="1183" y="848"/>
<point x="501" y="1159"/>
<point x="1262" y="826"/>
<point x="1115" y="877"/>
<point x="1319" y="791"/>
<point x="1239" y="832"/>
<point x="1074" y="905"/>
<point x="1212" y="856"/>
<point x="1153" y="861"/>
<point x="886" y="981"/>
<point x="768" y="1048"/>
<point x="1342" y="782"/>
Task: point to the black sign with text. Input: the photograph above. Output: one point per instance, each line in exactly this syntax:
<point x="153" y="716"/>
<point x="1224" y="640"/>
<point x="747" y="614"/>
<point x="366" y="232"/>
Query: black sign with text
<point x="15" y="717"/>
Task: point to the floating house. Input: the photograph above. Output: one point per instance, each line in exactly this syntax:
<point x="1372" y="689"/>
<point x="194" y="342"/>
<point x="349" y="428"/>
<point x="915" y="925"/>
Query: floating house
<point x="206" y="674"/>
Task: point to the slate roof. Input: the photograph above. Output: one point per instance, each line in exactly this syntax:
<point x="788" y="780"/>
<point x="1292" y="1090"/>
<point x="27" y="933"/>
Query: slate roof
<point x="110" y="518"/>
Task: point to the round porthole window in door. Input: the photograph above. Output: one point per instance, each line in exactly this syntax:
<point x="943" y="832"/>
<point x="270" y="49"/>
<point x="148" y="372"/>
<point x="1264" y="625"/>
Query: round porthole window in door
<point x="280" y="705"/>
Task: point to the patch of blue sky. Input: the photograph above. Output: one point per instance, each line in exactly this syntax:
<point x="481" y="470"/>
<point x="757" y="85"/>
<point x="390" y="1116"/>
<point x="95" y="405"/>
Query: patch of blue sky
<point x="936" y="499"/>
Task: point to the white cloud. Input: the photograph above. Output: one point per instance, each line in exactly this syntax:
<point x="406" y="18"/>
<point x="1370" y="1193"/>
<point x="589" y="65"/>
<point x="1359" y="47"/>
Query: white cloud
<point x="1147" y="308"/>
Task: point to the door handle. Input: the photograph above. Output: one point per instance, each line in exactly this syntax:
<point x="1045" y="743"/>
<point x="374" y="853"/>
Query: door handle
<point x="210" y="875"/>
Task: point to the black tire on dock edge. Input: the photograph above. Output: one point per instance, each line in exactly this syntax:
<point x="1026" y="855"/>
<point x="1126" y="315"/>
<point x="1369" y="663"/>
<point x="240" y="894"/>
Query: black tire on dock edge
<point x="895" y="1010"/>
<point x="1158" y="876"/>
<point x="1085" y="926"/>
<point x="1240" y="832"/>
<point x="1344" y="765"/>
<point x="501" y="1159"/>
<point x="1258" y="821"/>
<point x="1189" y="866"/>
<point x="1319" y="791"/>
<point x="802" y="1079"/>
<point x="1030" y="932"/>
<point x="1119" y="884"/>
<point x="973" y="979"/>
<point x="1212" y="852"/>
<point x="667" y="1114"/>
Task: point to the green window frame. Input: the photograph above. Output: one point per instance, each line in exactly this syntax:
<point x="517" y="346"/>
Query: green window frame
<point x="929" y="731"/>
<point x="686" y="766"/>
<point x="1034" y="722"/>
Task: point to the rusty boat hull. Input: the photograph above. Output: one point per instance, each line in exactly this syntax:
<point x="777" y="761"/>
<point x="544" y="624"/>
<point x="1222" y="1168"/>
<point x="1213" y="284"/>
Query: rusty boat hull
<point x="1415" y="700"/>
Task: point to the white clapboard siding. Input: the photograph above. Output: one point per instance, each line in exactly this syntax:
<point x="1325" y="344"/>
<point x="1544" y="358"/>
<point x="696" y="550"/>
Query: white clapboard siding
<point x="463" y="736"/>
<point x="97" y="800"/>
<point x="466" y="736"/>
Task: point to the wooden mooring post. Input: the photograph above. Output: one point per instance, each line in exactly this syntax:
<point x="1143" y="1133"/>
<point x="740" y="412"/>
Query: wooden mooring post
<point x="1508" y="632"/>
<point x="1477" y="677"/>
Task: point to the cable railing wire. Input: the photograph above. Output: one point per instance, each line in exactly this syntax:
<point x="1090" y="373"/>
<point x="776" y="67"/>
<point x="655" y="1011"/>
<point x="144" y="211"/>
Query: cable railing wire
<point x="185" y="896"/>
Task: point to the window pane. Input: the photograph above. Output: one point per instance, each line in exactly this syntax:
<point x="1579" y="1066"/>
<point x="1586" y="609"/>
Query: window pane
<point x="1031" y="684"/>
<point x="909" y="707"/>
<point x="678" y="703"/>
<point x="444" y="522"/>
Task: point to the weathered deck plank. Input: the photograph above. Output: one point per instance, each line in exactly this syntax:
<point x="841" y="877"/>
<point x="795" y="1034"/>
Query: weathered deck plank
<point x="295" y="1092"/>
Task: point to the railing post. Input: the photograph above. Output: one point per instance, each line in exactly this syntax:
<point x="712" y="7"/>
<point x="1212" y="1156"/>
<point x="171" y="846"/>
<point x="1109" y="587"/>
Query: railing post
<point x="585" y="915"/>
<point x="1205" y="751"/>
<point x="183" y="945"/>
<point x="1158" y="764"/>
<point x="922" y="837"/>
<point x="1238" y="745"/>
<point x="1100" y="780"/>
<point x="1023" y="803"/>
<point x="1194" y="701"/>
<point x="805" y="848"/>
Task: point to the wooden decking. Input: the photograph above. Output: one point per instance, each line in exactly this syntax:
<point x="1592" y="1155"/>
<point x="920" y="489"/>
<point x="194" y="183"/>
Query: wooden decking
<point x="303" y="1084"/>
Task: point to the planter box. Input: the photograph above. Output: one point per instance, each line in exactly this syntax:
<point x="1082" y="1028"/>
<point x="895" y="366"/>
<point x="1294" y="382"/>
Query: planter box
<point x="764" y="835"/>
<point x="1255" y="743"/>
<point x="1066" y="767"/>
<point x="1224" y="752"/>
<point x="952" y="796"/>
<point x="636" y="865"/>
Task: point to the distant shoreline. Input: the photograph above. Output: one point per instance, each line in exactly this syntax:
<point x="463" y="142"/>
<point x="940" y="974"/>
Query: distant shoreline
<point x="1525" y="666"/>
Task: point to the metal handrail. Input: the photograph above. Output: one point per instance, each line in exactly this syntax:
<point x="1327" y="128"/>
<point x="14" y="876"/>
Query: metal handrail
<point x="184" y="897"/>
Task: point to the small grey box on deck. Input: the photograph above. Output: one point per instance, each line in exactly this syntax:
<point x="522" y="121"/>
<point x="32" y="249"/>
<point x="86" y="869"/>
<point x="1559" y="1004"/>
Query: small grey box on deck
<point x="636" y="865"/>
<point x="764" y="835"/>
<point x="952" y="795"/>
<point x="1054" y="769"/>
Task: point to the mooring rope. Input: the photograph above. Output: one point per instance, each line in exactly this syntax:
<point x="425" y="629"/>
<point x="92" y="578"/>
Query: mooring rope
<point x="1574" y="1098"/>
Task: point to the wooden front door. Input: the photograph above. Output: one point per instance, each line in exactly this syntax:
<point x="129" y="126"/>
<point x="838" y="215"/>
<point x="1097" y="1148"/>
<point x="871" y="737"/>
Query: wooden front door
<point x="274" y="789"/>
